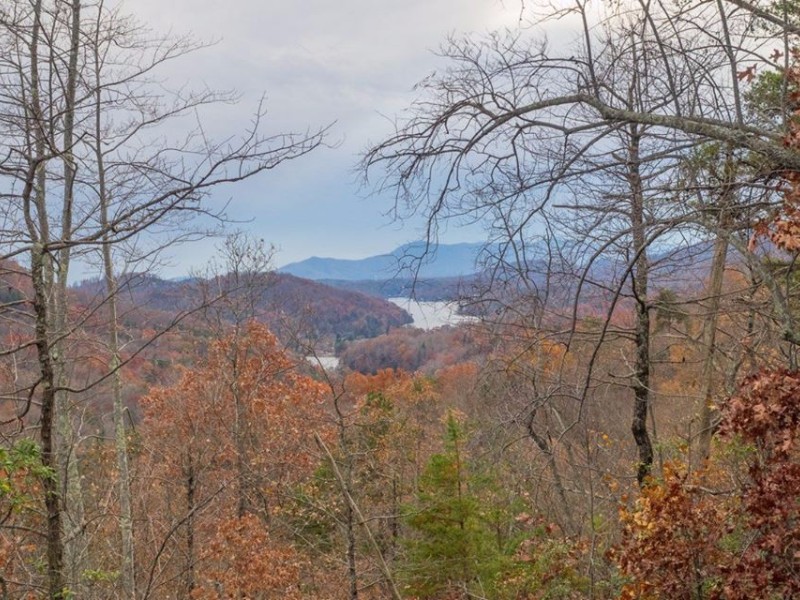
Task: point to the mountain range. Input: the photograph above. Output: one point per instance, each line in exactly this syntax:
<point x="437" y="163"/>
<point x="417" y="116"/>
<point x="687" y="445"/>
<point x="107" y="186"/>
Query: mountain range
<point x="416" y="260"/>
<point x="448" y="271"/>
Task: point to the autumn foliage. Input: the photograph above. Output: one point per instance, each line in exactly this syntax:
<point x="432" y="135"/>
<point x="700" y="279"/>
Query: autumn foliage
<point x="708" y="535"/>
<point x="785" y="230"/>
<point x="224" y="446"/>
<point x="242" y="560"/>
<point x="670" y="547"/>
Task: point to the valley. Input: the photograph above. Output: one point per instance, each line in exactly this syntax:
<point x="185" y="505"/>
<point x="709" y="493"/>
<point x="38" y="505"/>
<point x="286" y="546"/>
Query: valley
<point x="534" y="333"/>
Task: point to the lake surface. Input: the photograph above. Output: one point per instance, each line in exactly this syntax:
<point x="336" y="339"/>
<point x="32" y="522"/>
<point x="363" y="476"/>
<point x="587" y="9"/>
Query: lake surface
<point x="329" y="363"/>
<point x="430" y="315"/>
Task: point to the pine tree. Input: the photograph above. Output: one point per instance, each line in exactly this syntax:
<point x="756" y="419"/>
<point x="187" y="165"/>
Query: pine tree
<point x="451" y="545"/>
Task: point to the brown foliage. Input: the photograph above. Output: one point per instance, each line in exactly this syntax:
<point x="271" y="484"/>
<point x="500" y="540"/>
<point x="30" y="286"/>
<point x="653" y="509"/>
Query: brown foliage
<point x="670" y="547"/>
<point x="689" y="537"/>
<point x="225" y="444"/>
<point x="242" y="561"/>
<point x="766" y="414"/>
<point x="414" y="350"/>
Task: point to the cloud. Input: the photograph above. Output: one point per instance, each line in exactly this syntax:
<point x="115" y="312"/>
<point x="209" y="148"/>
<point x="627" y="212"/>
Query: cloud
<point x="319" y="61"/>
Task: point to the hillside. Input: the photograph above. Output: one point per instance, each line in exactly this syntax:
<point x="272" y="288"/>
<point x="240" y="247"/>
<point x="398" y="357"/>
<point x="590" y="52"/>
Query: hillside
<point x="292" y="307"/>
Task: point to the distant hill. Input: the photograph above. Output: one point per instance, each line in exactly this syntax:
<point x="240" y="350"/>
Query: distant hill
<point x="289" y="305"/>
<point x="414" y="260"/>
<point x="332" y="312"/>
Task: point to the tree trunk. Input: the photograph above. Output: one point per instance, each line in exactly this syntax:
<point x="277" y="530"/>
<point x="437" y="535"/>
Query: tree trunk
<point x="240" y="431"/>
<point x="127" y="570"/>
<point x="387" y="574"/>
<point x="352" y="571"/>
<point x="704" y="409"/>
<point x="641" y="380"/>
<point x="190" y="509"/>
<point x="75" y="545"/>
<point x="127" y="577"/>
<point x="546" y="448"/>
<point x="33" y="198"/>
<point x="50" y="485"/>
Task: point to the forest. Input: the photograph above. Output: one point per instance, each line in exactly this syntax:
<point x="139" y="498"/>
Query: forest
<point x="621" y="421"/>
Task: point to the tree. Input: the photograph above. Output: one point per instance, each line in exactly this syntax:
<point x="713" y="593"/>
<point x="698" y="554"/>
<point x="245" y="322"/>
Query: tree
<point x="512" y="128"/>
<point x="709" y="534"/>
<point x="729" y="535"/>
<point x="75" y="73"/>
<point x="217" y="479"/>
<point x="445" y="523"/>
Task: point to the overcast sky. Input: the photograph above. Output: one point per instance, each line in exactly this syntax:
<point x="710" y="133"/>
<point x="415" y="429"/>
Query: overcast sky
<point x="318" y="61"/>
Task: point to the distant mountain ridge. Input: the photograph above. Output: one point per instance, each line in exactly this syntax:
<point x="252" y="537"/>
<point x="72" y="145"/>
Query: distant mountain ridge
<point x="449" y="272"/>
<point x="414" y="260"/>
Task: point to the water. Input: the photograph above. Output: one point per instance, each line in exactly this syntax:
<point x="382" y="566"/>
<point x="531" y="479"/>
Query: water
<point x="431" y="315"/>
<point x="328" y="363"/>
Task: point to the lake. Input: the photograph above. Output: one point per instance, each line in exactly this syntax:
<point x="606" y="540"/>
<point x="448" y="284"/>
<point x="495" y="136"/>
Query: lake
<point x="430" y="315"/>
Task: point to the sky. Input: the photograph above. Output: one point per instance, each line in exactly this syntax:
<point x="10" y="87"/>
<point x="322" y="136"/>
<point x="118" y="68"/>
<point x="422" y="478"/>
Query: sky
<point x="352" y="63"/>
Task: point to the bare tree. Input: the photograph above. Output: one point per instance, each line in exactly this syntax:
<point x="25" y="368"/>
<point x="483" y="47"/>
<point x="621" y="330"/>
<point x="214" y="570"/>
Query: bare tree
<point x="78" y="87"/>
<point x="512" y="128"/>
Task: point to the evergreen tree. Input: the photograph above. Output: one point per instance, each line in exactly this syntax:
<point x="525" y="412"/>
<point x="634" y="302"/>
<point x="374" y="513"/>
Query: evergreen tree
<point x="452" y="544"/>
